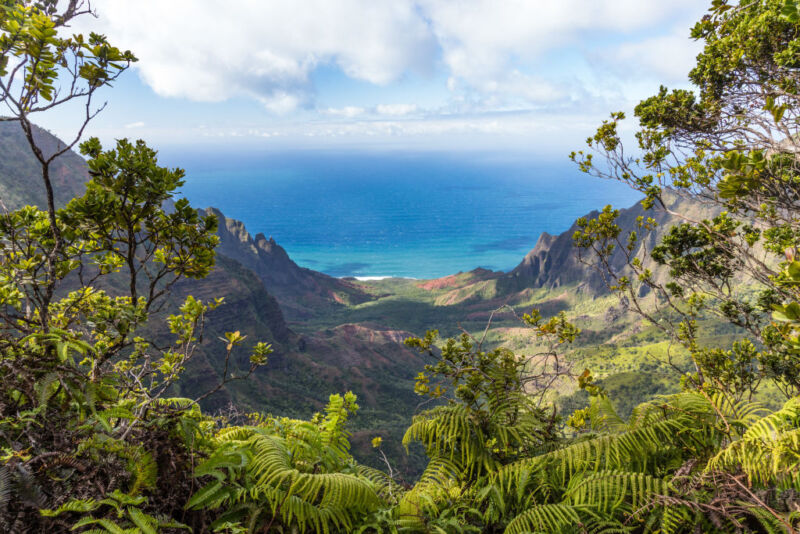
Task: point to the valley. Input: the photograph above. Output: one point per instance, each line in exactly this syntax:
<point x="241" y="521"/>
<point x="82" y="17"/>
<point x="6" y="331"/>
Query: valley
<point x="408" y="267"/>
<point x="332" y="335"/>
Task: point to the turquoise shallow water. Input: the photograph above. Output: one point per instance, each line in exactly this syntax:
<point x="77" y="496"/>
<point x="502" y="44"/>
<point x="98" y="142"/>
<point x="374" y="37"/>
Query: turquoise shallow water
<point x="396" y="214"/>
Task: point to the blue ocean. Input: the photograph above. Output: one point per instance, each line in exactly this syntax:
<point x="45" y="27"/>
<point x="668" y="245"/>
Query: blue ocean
<point x="375" y="214"/>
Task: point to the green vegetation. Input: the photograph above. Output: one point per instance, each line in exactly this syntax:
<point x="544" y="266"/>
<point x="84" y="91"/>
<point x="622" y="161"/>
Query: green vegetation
<point x="91" y="441"/>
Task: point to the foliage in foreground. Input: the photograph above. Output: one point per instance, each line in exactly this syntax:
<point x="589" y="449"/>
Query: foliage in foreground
<point x="90" y="441"/>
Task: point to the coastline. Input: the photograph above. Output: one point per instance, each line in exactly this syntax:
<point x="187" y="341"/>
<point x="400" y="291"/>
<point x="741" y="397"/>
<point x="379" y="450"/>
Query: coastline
<point x="376" y="278"/>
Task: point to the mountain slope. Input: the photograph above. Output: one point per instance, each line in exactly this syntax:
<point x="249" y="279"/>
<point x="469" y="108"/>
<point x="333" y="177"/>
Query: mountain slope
<point x="555" y="263"/>
<point x="19" y="182"/>
<point x="304" y="370"/>
<point x="303" y="293"/>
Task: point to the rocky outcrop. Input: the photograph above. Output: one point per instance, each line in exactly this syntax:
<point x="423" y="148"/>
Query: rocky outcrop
<point x="555" y="262"/>
<point x="302" y="292"/>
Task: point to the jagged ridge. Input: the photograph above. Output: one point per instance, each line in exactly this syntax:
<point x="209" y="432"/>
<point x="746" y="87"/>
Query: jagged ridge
<point x="302" y="292"/>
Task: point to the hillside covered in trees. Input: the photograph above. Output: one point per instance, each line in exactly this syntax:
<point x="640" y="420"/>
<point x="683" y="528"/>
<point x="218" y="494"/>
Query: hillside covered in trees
<point x="141" y="339"/>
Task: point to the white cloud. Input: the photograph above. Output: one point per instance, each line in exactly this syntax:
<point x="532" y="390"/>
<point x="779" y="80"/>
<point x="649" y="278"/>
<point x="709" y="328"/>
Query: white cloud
<point x="353" y="112"/>
<point x="396" y="109"/>
<point x="481" y="38"/>
<point x="267" y="49"/>
<point x="667" y="57"/>
<point x="281" y="102"/>
<point x="132" y="125"/>
<point x="438" y="129"/>
<point x="209" y="51"/>
<point x="515" y="89"/>
<point x="347" y="111"/>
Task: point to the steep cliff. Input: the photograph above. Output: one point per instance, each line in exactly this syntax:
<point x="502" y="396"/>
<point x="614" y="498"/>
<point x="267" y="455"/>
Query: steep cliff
<point x="302" y="292"/>
<point x="555" y="262"/>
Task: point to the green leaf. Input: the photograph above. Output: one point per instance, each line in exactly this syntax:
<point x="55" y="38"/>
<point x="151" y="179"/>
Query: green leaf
<point x="794" y="270"/>
<point x="790" y="11"/>
<point x="142" y="520"/>
<point x="792" y="311"/>
<point x="109" y="525"/>
<point x="204" y="495"/>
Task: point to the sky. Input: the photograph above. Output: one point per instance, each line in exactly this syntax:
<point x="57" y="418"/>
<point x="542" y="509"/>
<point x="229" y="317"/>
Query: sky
<point x="535" y="75"/>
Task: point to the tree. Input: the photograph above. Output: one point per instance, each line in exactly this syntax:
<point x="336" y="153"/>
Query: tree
<point x="731" y="147"/>
<point x="40" y="69"/>
<point x="85" y="426"/>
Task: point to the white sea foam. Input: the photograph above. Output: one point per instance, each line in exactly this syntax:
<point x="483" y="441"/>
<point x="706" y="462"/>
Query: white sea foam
<point x="373" y="278"/>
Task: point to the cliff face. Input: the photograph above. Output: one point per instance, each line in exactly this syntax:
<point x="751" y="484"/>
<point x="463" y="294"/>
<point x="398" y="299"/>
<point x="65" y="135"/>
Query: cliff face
<point x="555" y="262"/>
<point x="302" y="292"/>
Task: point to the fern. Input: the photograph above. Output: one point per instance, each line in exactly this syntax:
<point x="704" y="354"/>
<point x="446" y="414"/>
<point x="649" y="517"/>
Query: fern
<point x="271" y="466"/>
<point x="546" y="518"/>
<point x="627" y="449"/>
<point x="447" y="431"/>
<point x="298" y="480"/>
<point x="145" y="523"/>
<point x="6" y="485"/>
<point x="768" y="451"/>
<point x="608" y="491"/>
<point x="209" y="496"/>
<point x="47" y="387"/>
<point x="478" y="441"/>
<point x="144" y="470"/>
<point x="674" y="518"/>
<point x="388" y="490"/>
<point x="604" y="417"/>
<point x="426" y="495"/>
<point x="74" y="505"/>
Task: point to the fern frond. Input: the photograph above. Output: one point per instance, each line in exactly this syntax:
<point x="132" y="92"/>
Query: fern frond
<point x="74" y="505"/>
<point x="144" y="470"/>
<point x="386" y="487"/>
<point x="271" y="466"/>
<point x="429" y="492"/>
<point x="145" y="523"/>
<point x="47" y="386"/>
<point x="6" y="485"/>
<point x="674" y="518"/>
<point x="622" y="451"/>
<point x="234" y="433"/>
<point x="210" y="496"/>
<point x="447" y="431"/>
<point x="109" y="526"/>
<point x="227" y="456"/>
<point x="768" y="451"/>
<point x="545" y="518"/>
<point x="608" y="491"/>
<point x="773" y="424"/>
<point x="604" y="417"/>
